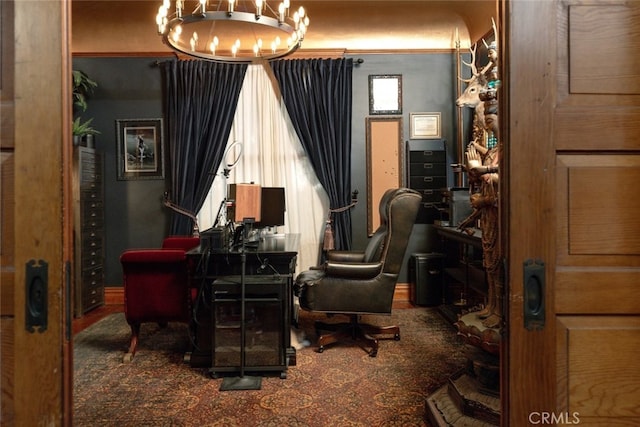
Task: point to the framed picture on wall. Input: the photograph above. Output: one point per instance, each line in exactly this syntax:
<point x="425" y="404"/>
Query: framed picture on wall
<point x="385" y="94"/>
<point x="425" y="126"/>
<point x="140" y="149"/>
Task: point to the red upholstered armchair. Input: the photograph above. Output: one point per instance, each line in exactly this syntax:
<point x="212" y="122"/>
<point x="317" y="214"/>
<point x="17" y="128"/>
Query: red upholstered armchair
<point x="157" y="285"/>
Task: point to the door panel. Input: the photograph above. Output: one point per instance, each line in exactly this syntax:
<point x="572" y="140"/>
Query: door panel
<point x="574" y="134"/>
<point x="598" y="373"/>
<point x="597" y="210"/>
<point x="600" y="47"/>
<point x="598" y="77"/>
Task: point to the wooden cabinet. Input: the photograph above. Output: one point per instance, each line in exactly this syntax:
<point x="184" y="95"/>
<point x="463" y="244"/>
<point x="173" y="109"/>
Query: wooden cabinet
<point x="427" y="174"/>
<point x="88" y="198"/>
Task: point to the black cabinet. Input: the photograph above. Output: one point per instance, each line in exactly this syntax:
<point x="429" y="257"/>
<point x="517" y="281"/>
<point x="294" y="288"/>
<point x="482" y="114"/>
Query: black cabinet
<point x="464" y="276"/>
<point x="427" y="174"/>
<point x="265" y="322"/>
<point x="88" y="230"/>
<point x="426" y="278"/>
<point x="269" y="273"/>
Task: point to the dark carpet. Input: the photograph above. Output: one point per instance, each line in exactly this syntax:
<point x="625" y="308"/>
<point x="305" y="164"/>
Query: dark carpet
<point x="342" y="386"/>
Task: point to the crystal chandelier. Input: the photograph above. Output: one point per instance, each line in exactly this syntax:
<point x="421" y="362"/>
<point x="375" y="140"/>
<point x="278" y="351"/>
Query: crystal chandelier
<point x="232" y="30"/>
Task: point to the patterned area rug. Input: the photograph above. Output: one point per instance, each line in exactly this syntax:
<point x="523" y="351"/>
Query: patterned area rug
<point x="342" y="386"/>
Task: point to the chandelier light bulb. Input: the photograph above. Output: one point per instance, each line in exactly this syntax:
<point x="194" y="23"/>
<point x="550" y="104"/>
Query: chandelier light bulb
<point x="176" y="33"/>
<point x="162" y="13"/>
<point x="214" y="45"/>
<point x="231" y="6"/>
<point x="296" y="19"/>
<point x="194" y="41"/>
<point x="258" y="8"/>
<point x="234" y="50"/>
<point x="281" y="13"/>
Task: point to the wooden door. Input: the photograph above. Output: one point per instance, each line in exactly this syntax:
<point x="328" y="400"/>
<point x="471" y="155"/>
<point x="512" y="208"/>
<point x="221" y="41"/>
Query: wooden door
<point x="35" y="94"/>
<point x="572" y="123"/>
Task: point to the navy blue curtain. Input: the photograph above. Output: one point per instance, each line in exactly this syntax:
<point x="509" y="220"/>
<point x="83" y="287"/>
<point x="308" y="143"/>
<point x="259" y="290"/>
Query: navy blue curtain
<point x="317" y="94"/>
<point x="201" y="99"/>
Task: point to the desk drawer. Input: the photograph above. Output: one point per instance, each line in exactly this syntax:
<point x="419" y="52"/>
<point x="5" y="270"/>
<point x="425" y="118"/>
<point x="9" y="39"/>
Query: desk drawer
<point x="256" y="288"/>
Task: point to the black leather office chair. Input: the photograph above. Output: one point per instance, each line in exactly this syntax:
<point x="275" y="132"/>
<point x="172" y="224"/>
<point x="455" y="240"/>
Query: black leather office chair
<point x="356" y="283"/>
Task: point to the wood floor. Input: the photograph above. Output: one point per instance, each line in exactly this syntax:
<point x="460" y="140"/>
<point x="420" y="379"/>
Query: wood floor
<point x="93" y="316"/>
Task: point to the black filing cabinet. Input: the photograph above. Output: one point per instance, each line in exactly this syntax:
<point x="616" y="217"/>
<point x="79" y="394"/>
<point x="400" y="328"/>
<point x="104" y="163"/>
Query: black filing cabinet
<point x="427" y="174"/>
<point x="426" y="280"/>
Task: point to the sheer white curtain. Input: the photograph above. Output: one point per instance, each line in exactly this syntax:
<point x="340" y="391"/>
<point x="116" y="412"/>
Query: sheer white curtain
<point x="272" y="156"/>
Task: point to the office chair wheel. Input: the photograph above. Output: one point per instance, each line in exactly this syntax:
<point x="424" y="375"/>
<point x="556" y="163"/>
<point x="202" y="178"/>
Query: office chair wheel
<point x="396" y="337"/>
<point x="320" y="349"/>
<point x="373" y="352"/>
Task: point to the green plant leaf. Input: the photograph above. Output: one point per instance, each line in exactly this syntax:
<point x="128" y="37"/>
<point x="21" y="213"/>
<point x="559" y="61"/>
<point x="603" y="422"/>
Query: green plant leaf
<point x="84" y="128"/>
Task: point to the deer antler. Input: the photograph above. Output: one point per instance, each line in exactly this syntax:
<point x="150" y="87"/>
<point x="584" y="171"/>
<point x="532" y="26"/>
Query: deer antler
<point x="471" y="65"/>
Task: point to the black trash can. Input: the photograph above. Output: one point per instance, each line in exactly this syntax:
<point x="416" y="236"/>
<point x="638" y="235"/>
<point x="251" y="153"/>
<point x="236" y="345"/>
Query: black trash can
<point x="426" y="280"/>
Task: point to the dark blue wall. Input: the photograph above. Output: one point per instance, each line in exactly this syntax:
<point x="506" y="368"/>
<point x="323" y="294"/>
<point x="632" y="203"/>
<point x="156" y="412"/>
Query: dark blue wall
<point x="130" y="88"/>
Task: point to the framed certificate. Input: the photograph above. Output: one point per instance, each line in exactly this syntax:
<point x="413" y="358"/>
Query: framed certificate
<point x="425" y="126"/>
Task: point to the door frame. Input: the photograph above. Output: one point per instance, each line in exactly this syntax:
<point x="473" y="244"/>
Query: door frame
<point x="528" y="373"/>
<point x="43" y="366"/>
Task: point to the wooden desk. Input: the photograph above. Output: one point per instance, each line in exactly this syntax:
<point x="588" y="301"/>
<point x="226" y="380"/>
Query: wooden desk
<point x="275" y="257"/>
<point x="453" y="233"/>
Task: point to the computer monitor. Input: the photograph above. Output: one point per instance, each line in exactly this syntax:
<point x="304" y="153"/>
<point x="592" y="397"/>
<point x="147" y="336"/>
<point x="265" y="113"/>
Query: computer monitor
<point x="273" y="207"/>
